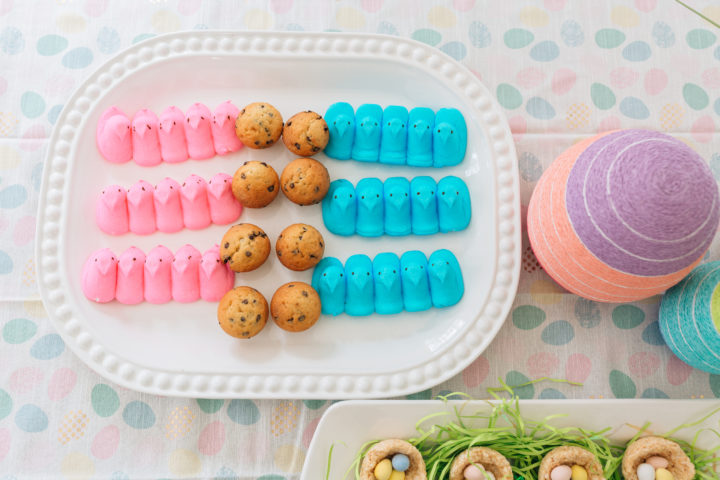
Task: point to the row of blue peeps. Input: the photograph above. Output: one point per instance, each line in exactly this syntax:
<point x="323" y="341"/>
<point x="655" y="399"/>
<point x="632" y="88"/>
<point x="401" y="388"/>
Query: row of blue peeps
<point x="420" y="138"/>
<point x="397" y="206"/>
<point x="388" y="284"/>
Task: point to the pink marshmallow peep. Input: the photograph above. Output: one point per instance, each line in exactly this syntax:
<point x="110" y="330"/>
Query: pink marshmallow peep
<point x="145" y="142"/>
<point x="99" y="276"/>
<point x="194" y="198"/>
<point x="113" y="137"/>
<point x="223" y="129"/>
<point x="111" y="210"/>
<point x="173" y="146"/>
<point x="141" y="208"/>
<point x="198" y="132"/>
<point x="224" y="207"/>
<point x="168" y="207"/>
<point x="130" y="288"/>
<point x="216" y="278"/>
<point x="185" y="275"/>
<point x="158" y="276"/>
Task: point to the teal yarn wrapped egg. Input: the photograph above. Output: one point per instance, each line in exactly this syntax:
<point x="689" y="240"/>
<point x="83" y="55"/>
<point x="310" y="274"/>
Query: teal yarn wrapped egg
<point x="690" y="318"/>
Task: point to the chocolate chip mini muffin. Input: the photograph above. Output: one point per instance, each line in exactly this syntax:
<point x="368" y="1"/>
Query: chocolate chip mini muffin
<point x="306" y="133"/>
<point x="259" y="125"/>
<point x="255" y="184"/>
<point x="300" y="247"/>
<point x="295" y="307"/>
<point x="244" y="247"/>
<point x="242" y="312"/>
<point x="305" y="181"/>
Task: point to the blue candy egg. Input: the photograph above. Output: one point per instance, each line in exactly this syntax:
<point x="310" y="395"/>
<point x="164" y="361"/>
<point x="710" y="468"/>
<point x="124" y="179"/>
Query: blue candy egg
<point x="400" y="462"/>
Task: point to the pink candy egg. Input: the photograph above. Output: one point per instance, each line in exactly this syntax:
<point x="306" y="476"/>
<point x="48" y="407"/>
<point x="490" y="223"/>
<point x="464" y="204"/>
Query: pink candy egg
<point x="658" y="462"/>
<point x="561" y="472"/>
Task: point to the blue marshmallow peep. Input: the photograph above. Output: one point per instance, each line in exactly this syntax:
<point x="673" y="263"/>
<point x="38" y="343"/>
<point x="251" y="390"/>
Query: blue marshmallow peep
<point x="415" y="285"/>
<point x="419" y="142"/>
<point x="449" y="138"/>
<point x="368" y="129"/>
<point x="360" y="294"/>
<point x="328" y="280"/>
<point x="370" y="211"/>
<point x="424" y="206"/>
<point x="340" y="119"/>
<point x="446" y="281"/>
<point x="454" y="209"/>
<point x="396" y="192"/>
<point x="339" y="208"/>
<point x="388" y="290"/>
<point x="393" y="143"/>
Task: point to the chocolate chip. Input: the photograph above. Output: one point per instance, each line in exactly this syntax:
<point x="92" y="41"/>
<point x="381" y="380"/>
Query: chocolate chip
<point x="245" y="163"/>
<point x="226" y="260"/>
<point x="242" y="111"/>
<point x="248" y="253"/>
<point x="307" y="138"/>
<point x="315" y="149"/>
<point x="291" y="319"/>
<point x="268" y="142"/>
<point x="317" y="189"/>
<point x="271" y="188"/>
<point x="271" y="114"/>
<point x="232" y="319"/>
<point x="321" y="244"/>
<point x="301" y="318"/>
<point x="263" y="234"/>
<point x="245" y="301"/>
<point x="297" y="145"/>
<point x="242" y="319"/>
<point x="300" y="237"/>
<point x="279" y="254"/>
<point x="263" y="164"/>
<point x="257" y="319"/>
<point x="288" y="124"/>
<point x="325" y="128"/>
<point x="245" y="334"/>
<point x="295" y="251"/>
<point x="304" y="229"/>
<point x="262" y="105"/>
<point x="291" y="285"/>
<point x="304" y="293"/>
<point x="243" y="176"/>
<point x="312" y="255"/>
<point x="257" y="142"/>
<point x="292" y="185"/>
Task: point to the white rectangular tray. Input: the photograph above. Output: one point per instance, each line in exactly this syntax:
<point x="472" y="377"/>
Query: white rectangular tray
<point x="178" y="349"/>
<point x="349" y="425"/>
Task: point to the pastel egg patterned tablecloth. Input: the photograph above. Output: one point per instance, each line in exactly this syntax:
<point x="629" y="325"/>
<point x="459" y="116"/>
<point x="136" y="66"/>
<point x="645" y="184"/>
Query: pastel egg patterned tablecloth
<point x="562" y="70"/>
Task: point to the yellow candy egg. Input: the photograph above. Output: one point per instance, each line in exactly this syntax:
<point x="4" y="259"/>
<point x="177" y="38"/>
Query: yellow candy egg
<point x="383" y="470"/>
<point x="395" y="475"/>
<point x="663" y="474"/>
<point x="579" y="473"/>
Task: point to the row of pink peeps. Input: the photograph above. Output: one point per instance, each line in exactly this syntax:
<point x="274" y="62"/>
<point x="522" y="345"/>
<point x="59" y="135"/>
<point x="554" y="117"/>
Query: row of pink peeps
<point x="173" y="137"/>
<point x="158" y="277"/>
<point x="169" y="207"/>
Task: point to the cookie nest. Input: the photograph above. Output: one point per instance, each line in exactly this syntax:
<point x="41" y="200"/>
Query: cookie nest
<point x="680" y="465"/>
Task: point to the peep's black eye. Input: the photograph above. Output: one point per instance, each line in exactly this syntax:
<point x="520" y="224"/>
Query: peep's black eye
<point x="334" y="123"/>
<point x="376" y="124"/>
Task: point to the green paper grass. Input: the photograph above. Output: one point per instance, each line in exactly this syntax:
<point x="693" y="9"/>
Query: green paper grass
<point x="524" y="442"/>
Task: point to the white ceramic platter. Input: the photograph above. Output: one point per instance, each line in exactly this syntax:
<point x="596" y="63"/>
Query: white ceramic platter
<point x="178" y="349"/>
<point x="349" y="425"/>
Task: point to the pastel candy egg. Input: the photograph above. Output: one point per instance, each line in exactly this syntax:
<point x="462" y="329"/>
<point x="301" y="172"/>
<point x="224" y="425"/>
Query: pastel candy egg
<point x="579" y="473"/>
<point x="395" y="475"/>
<point x="400" y="462"/>
<point x="383" y="469"/>
<point x="660" y="474"/>
<point x="645" y="471"/>
<point x="561" y="472"/>
<point x="474" y="472"/>
<point x="658" y="462"/>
